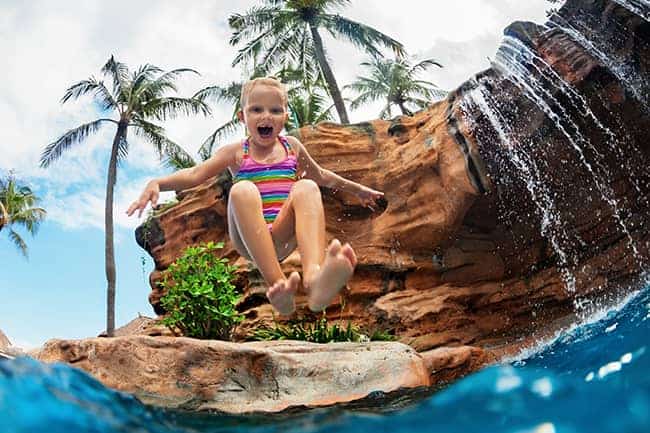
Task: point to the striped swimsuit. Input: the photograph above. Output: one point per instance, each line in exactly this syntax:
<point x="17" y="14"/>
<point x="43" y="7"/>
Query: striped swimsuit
<point x="274" y="181"/>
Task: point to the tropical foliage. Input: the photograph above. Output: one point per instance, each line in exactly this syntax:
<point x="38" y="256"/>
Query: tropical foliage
<point x="136" y="100"/>
<point x="286" y="34"/>
<point x="396" y="82"/>
<point x="308" y="105"/>
<point x="319" y="331"/>
<point x="200" y="299"/>
<point x="229" y="95"/>
<point x="18" y="208"/>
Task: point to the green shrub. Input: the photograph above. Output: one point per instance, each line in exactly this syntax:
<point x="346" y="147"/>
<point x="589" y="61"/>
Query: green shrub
<point x="318" y="332"/>
<point x="200" y="299"/>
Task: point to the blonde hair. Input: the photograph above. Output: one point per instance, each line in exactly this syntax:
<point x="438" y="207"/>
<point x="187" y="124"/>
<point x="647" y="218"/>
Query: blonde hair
<point x="248" y="86"/>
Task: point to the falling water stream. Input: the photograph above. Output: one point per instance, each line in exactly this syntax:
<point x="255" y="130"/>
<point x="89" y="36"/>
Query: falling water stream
<point x="560" y="102"/>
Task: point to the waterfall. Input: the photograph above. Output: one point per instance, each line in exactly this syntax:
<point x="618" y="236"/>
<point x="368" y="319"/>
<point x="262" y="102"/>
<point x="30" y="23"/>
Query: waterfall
<point x="567" y="111"/>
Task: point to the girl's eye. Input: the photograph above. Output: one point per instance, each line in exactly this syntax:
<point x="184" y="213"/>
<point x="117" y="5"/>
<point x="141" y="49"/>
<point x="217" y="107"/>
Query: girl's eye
<point x="276" y="111"/>
<point x="256" y="109"/>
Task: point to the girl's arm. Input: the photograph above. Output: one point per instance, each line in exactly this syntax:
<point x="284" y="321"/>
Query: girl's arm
<point x="324" y="177"/>
<point x="186" y="178"/>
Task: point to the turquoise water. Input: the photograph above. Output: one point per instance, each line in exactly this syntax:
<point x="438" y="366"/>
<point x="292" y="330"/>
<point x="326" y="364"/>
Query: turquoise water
<point x="593" y="378"/>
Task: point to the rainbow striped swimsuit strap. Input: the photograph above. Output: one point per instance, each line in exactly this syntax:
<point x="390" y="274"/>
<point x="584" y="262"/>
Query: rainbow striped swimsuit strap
<point x="274" y="181"/>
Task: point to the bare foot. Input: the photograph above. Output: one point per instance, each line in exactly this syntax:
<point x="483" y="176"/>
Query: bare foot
<point x="281" y="294"/>
<point x="335" y="271"/>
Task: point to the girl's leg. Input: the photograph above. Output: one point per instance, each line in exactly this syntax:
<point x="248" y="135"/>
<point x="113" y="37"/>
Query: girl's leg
<point x="246" y="206"/>
<point x="324" y="272"/>
<point x="302" y="216"/>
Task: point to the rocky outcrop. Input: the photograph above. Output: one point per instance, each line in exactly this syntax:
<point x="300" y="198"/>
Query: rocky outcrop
<point x="510" y="207"/>
<point x="4" y="341"/>
<point x="7" y="351"/>
<point x="190" y="374"/>
<point x="469" y="247"/>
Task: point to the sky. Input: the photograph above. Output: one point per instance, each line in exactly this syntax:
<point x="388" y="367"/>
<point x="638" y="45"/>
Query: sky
<point x="59" y="291"/>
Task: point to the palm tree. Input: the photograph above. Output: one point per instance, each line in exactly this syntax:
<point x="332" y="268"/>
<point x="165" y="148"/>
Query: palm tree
<point x="135" y="98"/>
<point x="396" y="82"/>
<point x="307" y="106"/>
<point x="17" y="208"/>
<point x="286" y="32"/>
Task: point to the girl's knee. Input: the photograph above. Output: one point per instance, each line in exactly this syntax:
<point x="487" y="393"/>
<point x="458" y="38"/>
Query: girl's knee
<point x="305" y="187"/>
<point x="244" y="190"/>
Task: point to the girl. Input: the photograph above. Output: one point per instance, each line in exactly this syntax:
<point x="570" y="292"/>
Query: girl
<point x="271" y="209"/>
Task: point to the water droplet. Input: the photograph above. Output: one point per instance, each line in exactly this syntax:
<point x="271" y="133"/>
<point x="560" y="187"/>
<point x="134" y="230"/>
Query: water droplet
<point x="543" y="387"/>
<point x="606" y="369"/>
<point x="546" y="427"/>
<point x="508" y="383"/>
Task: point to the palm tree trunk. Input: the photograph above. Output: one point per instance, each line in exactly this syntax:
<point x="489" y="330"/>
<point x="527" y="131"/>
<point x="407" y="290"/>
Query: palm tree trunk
<point x="108" y="221"/>
<point x="329" y="75"/>
<point x="405" y="111"/>
<point x="4" y="216"/>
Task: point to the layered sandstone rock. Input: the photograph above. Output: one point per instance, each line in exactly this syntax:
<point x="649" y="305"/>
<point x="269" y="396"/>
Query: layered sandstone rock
<point x="190" y="374"/>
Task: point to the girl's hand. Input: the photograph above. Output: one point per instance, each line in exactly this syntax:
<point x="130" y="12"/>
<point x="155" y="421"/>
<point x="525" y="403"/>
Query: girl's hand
<point x="150" y="194"/>
<point x="369" y="196"/>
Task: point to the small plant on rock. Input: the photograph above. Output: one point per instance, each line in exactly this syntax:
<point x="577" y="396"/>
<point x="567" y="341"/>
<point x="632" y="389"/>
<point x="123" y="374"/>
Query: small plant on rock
<point x="319" y="331"/>
<point x="200" y="299"/>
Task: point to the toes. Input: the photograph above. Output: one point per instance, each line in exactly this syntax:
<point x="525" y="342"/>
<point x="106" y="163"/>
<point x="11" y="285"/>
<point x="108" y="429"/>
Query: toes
<point x="334" y="248"/>
<point x="294" y="280"/>
<point x="278" y="287"/>
<point x="348" y="252"/>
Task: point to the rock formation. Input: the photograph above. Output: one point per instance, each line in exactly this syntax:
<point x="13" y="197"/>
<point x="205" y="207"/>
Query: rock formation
<point x="4" y="341"/>
<point x="190" y="374"/>
<point x="515" y="204"/>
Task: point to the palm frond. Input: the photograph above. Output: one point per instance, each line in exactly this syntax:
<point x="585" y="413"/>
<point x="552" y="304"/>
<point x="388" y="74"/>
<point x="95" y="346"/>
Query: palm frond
<point x="155" y="134"/>
<point x="424" y="65"/>
<point x="149" y="88"/>
<point x="285" y="48"/>
<point x="122" y="149"/>
<point x="118" y="72"/>
<point x="255" y="47"/>
<point x="365" y="98"/>
<point x="255" y="20"/>
<point x="54" y="150"/>
<point x="19" y="242"/>
<point x="30" y="218"/>
<point x="179" y="161"/>
<point x="170" y="107"/>
<point x="229" y="94"/>
<point x="360" y="35"/>
<point x="90" y="86"/>
<point x="225" y="130"/>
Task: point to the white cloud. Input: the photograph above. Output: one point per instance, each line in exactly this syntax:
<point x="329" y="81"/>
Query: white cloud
<point x="48" y="46"/>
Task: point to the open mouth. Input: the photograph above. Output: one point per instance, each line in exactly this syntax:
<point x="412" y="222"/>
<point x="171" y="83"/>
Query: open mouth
<point x="265" y="131"/>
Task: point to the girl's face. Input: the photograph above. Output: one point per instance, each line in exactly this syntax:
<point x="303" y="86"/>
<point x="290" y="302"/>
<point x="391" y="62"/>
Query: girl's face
<point x="264" y="114"/>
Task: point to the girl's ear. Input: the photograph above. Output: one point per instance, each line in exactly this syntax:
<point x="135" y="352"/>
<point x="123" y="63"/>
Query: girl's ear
<point x="240" y="116"/>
